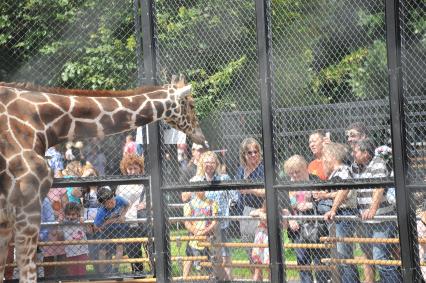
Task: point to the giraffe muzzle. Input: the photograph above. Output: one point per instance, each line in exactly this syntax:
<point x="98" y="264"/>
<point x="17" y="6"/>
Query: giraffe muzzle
<point x="198" y="137"/>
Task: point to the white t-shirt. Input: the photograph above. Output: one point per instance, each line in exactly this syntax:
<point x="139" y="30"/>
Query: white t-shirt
<point x="139" y="135"/>
<point x="173" y="136"/>
<point x="75" y="232"/>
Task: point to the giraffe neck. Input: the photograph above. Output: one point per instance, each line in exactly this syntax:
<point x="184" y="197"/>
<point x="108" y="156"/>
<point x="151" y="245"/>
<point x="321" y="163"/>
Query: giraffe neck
<point x="43" y="119"/>
<point x="102" y="116"/>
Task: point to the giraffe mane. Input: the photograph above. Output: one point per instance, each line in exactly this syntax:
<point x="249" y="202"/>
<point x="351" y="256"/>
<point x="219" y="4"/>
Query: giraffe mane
<point x="81" y="92"/>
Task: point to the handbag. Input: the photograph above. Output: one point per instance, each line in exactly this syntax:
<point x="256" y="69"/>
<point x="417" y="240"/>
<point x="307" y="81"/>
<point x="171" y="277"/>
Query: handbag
<point x="311" y="231"/>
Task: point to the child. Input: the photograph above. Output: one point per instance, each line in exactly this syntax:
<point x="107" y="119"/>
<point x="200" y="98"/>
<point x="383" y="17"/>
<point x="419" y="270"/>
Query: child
<point x="129" y="146"/>
<point x="51" y="253"/>
<point x="110" y="223"/>
<point x="260" y="255"/>
<point x="75" y="231"/>
<point x="198" y="206"/>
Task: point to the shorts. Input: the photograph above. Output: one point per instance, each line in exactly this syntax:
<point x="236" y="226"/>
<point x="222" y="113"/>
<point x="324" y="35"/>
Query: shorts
<point x="225" y="251"/>
<point x="190" y="251"/>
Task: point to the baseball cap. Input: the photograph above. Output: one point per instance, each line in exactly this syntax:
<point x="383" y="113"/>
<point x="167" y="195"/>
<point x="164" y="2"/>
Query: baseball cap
<point x="104" y="193"/>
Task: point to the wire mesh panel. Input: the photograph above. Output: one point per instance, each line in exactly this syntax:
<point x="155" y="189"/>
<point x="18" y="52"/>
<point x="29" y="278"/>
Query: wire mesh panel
<point x="346" y="248"/>
<point x="330" y="93"/>
<point x="59" y="52"/>
<point x="412" y="15"/>
<point x="103" y="231"/>
<point x="331" y="138"/>
<point x="305" y="255"/>
<point x="73" y="44"/>
<point x="329" y="71"/>
<point x="213" y="44"/>
<point x="418" y="224"/>
<point x="206" y="242"/>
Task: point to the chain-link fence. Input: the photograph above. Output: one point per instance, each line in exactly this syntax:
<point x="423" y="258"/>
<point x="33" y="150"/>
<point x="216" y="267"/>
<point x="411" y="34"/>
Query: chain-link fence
<point x="332" y="168"/>
<point x="75" y="44"/>
<point x="413" y="63"/>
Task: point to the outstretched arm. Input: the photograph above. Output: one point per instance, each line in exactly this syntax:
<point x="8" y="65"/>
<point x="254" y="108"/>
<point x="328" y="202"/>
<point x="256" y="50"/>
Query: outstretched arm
<point x="257" y="192"/>
<point x="375" y="204"/>
<point x="338" y="200"/>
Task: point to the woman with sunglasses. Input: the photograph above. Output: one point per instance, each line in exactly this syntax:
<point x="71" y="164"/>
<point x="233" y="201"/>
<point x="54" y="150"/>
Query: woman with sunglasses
<point x="251" y="168"/>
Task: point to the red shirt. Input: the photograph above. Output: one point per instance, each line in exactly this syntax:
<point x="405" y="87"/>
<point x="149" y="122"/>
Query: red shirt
<point x="129" y="148"/>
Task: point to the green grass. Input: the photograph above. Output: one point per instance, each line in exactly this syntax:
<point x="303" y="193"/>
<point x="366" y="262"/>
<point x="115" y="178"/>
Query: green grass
<point x="179" y="248"/>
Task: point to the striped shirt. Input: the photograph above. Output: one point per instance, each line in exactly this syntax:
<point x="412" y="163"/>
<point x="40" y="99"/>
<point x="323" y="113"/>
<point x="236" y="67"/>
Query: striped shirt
<point x="375" y="169"/>
<point x="340" y="174"/>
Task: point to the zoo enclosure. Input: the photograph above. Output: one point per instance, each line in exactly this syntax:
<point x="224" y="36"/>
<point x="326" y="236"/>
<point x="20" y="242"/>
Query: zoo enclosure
<point x="305" y="62"/>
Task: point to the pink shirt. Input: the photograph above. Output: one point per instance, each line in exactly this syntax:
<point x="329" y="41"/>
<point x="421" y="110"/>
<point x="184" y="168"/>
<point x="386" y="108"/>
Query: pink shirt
<point x="55" y="195"/>
<point x="129" y="148"/>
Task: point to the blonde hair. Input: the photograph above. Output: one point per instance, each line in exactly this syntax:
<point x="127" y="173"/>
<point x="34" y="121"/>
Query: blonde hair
<point x="295" y="161"/>
<point x="336" y="151"/>
<point x="74" y="168"/>
<point x="243" y="149"/>
<point x="89" y="170"/>
<point x="130" y="159"/>
<point x="203" y="157"/>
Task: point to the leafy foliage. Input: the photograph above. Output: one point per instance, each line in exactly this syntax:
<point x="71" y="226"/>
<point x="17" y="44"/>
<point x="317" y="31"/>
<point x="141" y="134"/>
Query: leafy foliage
<point x="92" y="44"/>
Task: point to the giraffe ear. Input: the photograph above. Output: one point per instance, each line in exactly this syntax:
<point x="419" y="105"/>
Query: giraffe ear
<point x="174" y="78"/>
<point x="183" y="91"/>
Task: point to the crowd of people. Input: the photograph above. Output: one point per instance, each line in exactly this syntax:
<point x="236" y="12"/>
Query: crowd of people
<point x="115" y="212"/>
<point x="332" y="162"/>
<point x="92" y="212"/>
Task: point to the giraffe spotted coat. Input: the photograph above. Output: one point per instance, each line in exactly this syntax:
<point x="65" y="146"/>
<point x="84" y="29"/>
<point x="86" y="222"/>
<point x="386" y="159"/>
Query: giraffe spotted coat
<point x="32" y="119"/>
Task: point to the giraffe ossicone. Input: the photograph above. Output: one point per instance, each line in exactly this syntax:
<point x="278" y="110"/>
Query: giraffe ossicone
<point x="34" y="118"/>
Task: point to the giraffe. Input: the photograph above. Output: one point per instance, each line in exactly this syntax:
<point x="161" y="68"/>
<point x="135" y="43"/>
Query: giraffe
<point x="34" y="118"/>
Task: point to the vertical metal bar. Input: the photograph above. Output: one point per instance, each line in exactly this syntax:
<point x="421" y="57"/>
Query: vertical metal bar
<point x="160" y="236"/>
<point x="393" y="37"/>
<point x="160" y="232"/>
<point x="138" y="35"/>
<point x="149" y="48"/>
<point x="263" y="49"/>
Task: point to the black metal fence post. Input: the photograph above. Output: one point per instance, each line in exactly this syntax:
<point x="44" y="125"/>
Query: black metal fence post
<point x="263" y="50"/>
<point x="398" y="140"/>
<point x="138" y="35"/>
<point x="160" y="232"/>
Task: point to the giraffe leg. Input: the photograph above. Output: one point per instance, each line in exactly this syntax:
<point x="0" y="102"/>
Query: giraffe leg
<point x="31" y="186"/>
<point x="5" y="237"/>
<point x="26" y="238"/>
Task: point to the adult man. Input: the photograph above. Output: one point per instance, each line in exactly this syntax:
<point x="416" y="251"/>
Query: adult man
<point x="316" y="166"/>
<point x="355" y="132"/>
<point x="372" y="202"/>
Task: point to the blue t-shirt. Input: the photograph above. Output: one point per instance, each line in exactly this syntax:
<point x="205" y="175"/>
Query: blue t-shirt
<point x="258" y="174"/>
<point x="104" y="214"/>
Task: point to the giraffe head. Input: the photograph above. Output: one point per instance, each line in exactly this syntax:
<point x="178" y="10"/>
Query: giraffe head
<point x="183" y="116"/>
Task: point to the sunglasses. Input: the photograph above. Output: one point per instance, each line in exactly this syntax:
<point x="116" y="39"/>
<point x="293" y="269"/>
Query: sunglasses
<point x="352" y="134"/>
<point x="252" y="152"/>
